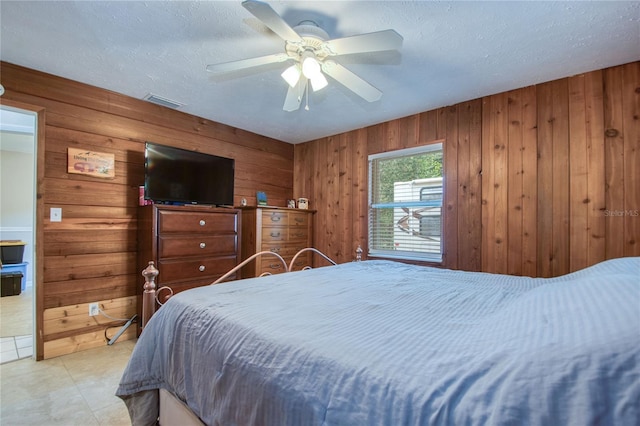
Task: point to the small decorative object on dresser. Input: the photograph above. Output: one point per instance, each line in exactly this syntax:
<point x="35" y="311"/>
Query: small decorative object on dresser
<point x="291" y="204"/>
<point x="261" y="198"/>
<point x="303" y="203"/>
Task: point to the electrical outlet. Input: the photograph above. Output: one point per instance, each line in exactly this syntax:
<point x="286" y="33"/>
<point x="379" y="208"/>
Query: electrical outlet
<point x="94" y="309"/>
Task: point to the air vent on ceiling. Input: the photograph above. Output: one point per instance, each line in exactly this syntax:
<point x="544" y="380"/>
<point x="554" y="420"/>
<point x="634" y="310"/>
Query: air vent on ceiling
<point x="159" y="100"/>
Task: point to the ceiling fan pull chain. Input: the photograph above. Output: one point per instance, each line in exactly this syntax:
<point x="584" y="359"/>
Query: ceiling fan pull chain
<point x="306" y="107"/>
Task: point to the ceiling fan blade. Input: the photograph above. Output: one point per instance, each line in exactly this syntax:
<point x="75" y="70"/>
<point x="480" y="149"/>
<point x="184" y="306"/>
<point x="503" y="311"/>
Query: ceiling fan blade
<point x="294" y="95"/>
<point x="247" y="63"/>
<point x="351" y="81"/>
<point x="271" y="19"/>
<point x="363" y="43"/>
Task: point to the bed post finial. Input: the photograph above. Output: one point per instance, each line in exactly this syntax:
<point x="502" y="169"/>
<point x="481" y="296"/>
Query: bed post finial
<point x="358" y="253"/>
<point x="149" y="295"/>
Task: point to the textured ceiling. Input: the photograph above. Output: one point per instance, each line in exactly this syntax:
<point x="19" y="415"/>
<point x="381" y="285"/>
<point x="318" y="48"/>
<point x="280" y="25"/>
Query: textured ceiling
<point x="452" y="52"/>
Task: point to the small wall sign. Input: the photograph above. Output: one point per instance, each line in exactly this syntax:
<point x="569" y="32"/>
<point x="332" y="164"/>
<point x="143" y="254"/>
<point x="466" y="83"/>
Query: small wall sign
<point x="97" y="164"/>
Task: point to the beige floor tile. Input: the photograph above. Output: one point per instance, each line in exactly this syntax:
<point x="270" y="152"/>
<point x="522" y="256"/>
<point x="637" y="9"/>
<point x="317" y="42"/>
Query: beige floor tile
<point x="16" y="314"/>
<point x="60" y="407"/>
<point x="113" y="415"/>
<point x="76" y="389"/>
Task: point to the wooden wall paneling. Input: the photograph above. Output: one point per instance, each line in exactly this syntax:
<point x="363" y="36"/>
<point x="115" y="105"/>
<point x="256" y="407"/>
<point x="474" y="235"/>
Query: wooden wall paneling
<point x="375" y="139"/>
<point x="578" y="171"/>
<point x="88" y="290"/>
<point x="560" y="263"/>
<point x="471" y="258"/>
<point x="428" y="122"/>
<point x="464" y="173"/>
<point x="332" y="197"/>
<point x="303" y="166"/>
<point x="494" y="189"/>
<point x="614" y="163"/>
<point x="60" y="321"/>
<point x="514" y="182"/>
<point x="501" y="182"/>
<point x="75" y="267"/>
<point x="321" y="204"/>
<point x="69" y="242"/>
<point x="596" y="182"/>
<point x="529" y="180"/>
<point x="346" y="195"/>
<point x="488" y="182"/>
<point x="631" y="125"/>
<point x="545" y="180"/>
<point x="392" y="135"/>
<point x="360" y="169"/>
<point x="450" y="208"/>
<point x="409" y="131"/>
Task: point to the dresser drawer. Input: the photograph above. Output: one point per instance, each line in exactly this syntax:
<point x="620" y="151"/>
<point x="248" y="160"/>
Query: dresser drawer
<point x="188" y="269"/>
<point x="301" y="261"/>
<point x="205" y="222"/>
<point x="276" y="217"/>
<point x="298" y="219"/>
<point x="271" y="234"/>
<point x="298" y="234"/>
<point x="202" y="245"/>
<point x="286" y="250"/>
<point x="271" y="265"/>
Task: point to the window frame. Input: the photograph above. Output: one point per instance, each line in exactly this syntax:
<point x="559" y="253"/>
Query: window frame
<point x="437" y="146"/>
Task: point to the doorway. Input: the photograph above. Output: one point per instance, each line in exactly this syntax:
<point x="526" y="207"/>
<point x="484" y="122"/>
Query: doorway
<point x="18" y="231"/>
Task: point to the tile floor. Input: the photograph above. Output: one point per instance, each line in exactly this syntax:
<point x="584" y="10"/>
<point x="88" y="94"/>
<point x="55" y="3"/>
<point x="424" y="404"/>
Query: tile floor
<point x="75" y="389"/>
<point x="15" y="347"/>
<point x="16" y="326"/>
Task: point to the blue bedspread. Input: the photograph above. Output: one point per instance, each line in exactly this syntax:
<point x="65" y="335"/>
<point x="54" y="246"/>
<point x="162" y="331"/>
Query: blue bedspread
<point x="384" y="343"/>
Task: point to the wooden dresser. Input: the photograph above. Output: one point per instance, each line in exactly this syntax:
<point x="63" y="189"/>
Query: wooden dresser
<point x="190" y="245"/>
<point x="281" y="230"/>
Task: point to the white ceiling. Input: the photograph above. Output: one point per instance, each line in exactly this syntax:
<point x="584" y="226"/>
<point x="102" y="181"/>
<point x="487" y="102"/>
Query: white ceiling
<point x="453" y="51"/>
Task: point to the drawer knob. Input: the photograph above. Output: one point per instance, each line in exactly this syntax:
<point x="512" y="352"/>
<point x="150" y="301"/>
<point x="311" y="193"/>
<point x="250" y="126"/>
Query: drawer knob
<point x="275" y="266"/>
<point x="275" y="234"/>
<point x="203" y="245"/>
<point x="275" y="249"/>
<point x="299" y="219"/>
<point x="201" y="268"/>
<point x="275" y="218"/>
<point x="202" y="222"/>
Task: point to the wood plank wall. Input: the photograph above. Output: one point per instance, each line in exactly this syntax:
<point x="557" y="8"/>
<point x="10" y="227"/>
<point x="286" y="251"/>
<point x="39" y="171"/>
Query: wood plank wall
<point x="91" y="255"/>
<point x="540" y="181"/>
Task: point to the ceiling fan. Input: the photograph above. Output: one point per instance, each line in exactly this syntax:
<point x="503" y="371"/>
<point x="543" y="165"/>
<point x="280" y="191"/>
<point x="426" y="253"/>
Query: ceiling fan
<point x="309" y="48"/>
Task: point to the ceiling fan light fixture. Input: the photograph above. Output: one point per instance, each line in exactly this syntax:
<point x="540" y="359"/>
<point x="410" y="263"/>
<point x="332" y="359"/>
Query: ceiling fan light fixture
<point x="318" y="82"/>
<point x="291" y="75"/>
<point x="310" y="66"/>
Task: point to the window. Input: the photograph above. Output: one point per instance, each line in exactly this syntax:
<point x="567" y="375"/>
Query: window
<point x="405" y="203"/>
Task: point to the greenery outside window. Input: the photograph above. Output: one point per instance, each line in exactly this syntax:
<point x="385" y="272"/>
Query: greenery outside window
<point x="405" y="203"/>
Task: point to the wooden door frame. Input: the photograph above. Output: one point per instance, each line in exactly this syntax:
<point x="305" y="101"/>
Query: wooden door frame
<point x="38" y="268"/>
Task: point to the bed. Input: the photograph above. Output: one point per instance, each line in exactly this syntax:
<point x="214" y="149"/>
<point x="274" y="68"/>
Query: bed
<point x="381" y="342"/>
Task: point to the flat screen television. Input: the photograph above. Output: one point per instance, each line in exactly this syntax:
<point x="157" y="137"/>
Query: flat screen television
<point x="178" y="176"/>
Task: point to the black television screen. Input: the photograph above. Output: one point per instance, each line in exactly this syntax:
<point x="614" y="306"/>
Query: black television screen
<point x="177" y="176"/>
